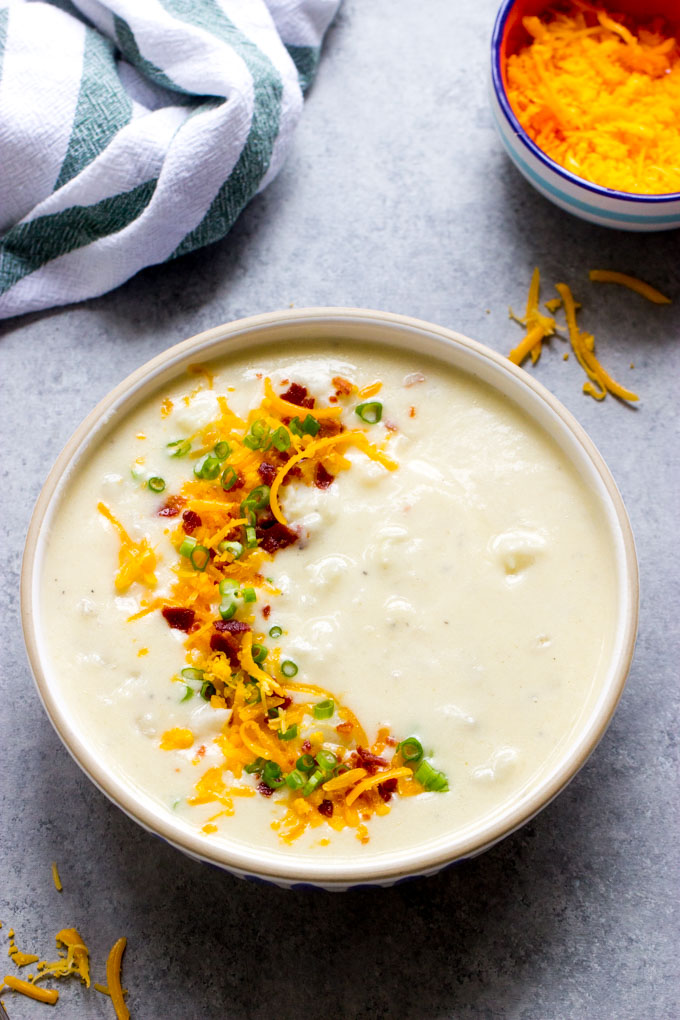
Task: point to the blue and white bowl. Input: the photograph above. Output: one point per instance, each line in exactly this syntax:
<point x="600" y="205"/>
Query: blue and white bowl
<point x="609" y="208"/>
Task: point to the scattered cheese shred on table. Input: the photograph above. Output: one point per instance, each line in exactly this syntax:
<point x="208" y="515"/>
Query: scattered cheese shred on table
<point x="55" y="877"/>
<point x="600" y="94"/>
<point x="113" y="979"/>
<point x="27" y="988"/>
<point x="632" y="282"/>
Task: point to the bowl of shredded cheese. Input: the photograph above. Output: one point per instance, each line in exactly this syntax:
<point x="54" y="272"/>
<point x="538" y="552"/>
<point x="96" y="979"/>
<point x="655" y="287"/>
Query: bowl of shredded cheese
<point x="586" y="98"/>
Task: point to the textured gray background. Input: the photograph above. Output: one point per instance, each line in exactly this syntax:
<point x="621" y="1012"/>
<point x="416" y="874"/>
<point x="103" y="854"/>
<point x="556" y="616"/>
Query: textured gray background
<point x="397" y="196"/>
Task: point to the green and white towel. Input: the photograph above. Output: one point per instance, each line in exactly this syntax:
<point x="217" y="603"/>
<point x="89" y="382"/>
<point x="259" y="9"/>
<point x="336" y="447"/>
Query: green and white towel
<point x="133" y="131"/>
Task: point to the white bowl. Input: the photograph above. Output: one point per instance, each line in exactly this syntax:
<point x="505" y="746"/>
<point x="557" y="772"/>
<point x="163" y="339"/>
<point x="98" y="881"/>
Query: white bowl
<point x="398" y="333"/>
<point x="604" y="206"/>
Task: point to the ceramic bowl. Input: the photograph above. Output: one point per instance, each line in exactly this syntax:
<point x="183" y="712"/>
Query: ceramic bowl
<point x="604" y="206"/>
<point x="386" y="331"/>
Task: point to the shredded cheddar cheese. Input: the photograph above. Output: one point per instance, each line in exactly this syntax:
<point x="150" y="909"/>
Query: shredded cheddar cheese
<point x="55" y="877"/>
<point x="137" y="560"/>
<point x="639" y="286"/>
<point x="113" y="979"/>
<point x="27" y="988"/>
<point x="599" y="93"/>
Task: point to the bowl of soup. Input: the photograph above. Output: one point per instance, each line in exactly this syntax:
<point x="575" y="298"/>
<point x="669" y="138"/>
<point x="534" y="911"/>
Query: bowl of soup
<point x="332" y="597"/>
<point x="586" y="101"/>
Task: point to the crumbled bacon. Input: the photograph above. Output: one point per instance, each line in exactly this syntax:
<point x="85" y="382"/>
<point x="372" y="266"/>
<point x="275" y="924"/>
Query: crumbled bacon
<point x="390" y="426"/>
<point x="306" y="746"/>
<point x="345" y="727"/>
<point x="297" y="394"/>
<point x="325" y="808"/>
<point x="364" y="759"/>
<point x="322" y="478"/>
<point x="266" y="610"/>
<point x="231" y="626"/>
<point x="178" y="617"/>
<point x="342" y="386"/>
<point x="191" y="521"/>
<point x="225" y="643"/>
<point x="273" y="535"/>
<point x="267" y="472"/>
<point x="387" y="788"/>
<point x="265" y="790"/>
<point x="332" y="399"/>
<point x="294" y="472"/>
<point x="172" y="506"/>
<point x="329" y="427"/>
<point x="411" y="412"/>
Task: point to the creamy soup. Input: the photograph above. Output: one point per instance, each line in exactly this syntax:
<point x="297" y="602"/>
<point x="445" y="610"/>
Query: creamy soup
<point x="401" y="658"/>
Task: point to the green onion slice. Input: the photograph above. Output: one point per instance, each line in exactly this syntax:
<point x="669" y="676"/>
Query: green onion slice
<point x="275" y="632"/>
<point x="235" y="548"/>
<point x="259" y="497"/>
<point x="431" y="778"/>
<point x="188" y="693"/>
<point x="295" y="780"/>
<point x="288" y="668"/>
<point x="191" y="674"/>
<point x="326" y="760"/>
<point x="411" y="749"/>
<point x="227" y="609"/>
<point x="290" y="733"/>
<point x="207" y="467"/>
<point x="271" y="775"/>
<point x="254" y="696"/>
<point x="305" y="763"/>
<point x="228" y="586"/>
<point x="156" y="484"/>
<point x="229" y="478"/>
<point x="249" y="595"/>
<point x="200" y="557"/>
<point x="207" y="690"/>
<point x="179" y="448"/>
<point x="259" y="653"/>
<point x="316" y="779"/>
<point x="255" y="766"/>
<point x="281" y="438"/>
<point x="370" y="412"/>
<point x="341" y="768"/>
<point x="251" y="537"/>
<point x="222" y="450"/>
<point x="188" y="545"/>
<point x="324" y="709"/>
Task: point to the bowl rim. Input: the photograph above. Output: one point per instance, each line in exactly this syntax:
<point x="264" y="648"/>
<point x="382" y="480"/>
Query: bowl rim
<point x="289" y="869"/>
<point x="497" y="36"/>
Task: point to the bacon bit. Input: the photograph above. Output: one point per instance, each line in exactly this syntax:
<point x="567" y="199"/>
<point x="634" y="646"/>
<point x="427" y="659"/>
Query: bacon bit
<point x="391" y="741"/>
<point x="323" y="478"/>
<point x="191" y="521"/>
<point x="390" y="426"/>
<point x="413" y="378"/>
<point x="387" y="788"/>
<point x="332" y="400"/>
<point x="366" y="760"/>
<point x="345" y="727"/>
<point x="267" y="472"/>
<point x="325" y="808"/>
<point x="178" y="617"/>
<point x="306" y="746"/>
<point x="202" y="749"/>
<point x="266" y="610"/>
<point x="265" y="790"/>
<point x="225" y="643"/>
<point x="343" y="387"/>
<point x="295" y="472"/>
<point x="272" y="535"/>
<point x="297" y="394"/>
<point x="172" y="506"/>
<point x="231" y="626"/>
<point x="411" y="412"/>
<point x="328" y="427"/>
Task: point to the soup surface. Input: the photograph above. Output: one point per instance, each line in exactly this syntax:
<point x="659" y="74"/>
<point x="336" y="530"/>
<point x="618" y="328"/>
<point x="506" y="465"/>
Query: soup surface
<point x="443" y="577"/>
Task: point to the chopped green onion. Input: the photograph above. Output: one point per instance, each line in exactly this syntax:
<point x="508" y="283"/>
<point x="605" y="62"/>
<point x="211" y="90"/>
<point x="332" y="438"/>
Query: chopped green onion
<point x="371" y="412"/>
<point x="249" y="595"/>
<point x="341" y="768"/>
<point x="189" y="673"/>
<point x="188" y="693"/>
<point x="188" y="545"/>
<point x="326" y="760"/>
<point x="290" y="733"/>
<point x="316" y="779"/>
<point x="308" y="427"/>
<point x="305" y="763"/>
<point x="411" y="749"/>
<point x="222" y="450"/>
<point x="207" y="690"/>
<point x="207" y="467"/>
<point x="229" y="478"/>
<point x="251" y="443"/>
<point x="431" y="778"/>
<point x="259" y="428"/>
<point x="275" y="632"/>
<point x="251" y="537"/>
<point x="324" y="709"/>
<point x="180" y="447"/>
<point x="248" y="511"/>
<point x="255" y="766"/>
<point x="259" y="653"/>
<point x="271" y="775"/>
<point x="272" y="713"/>
<point x="235" y="548"/>
<point x="200" y="557"/>
<point x="228" y="586"/>
<point x="295" y="780"/>
<point x="281" y="439"/>
<point x="259" y="497"/>
<point x="227" y="609"/>
<point x="254" y="696"/>
<point x="156" y="484"/>
<point x="288" y="668"/>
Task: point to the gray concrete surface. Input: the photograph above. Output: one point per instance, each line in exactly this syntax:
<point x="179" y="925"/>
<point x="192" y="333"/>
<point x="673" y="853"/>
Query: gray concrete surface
<point x="397" y="196"/>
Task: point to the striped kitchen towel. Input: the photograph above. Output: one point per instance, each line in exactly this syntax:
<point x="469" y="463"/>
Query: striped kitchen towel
<point x="133" y="131"/>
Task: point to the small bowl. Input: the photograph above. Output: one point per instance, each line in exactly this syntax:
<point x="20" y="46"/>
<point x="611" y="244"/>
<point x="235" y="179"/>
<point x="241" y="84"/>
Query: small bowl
<point x="609" y="208"/>
<point x="388" y="332"/>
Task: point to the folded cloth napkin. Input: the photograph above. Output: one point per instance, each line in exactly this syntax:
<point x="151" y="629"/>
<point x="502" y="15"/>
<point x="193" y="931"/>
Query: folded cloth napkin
<point x="133" y="131"/>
